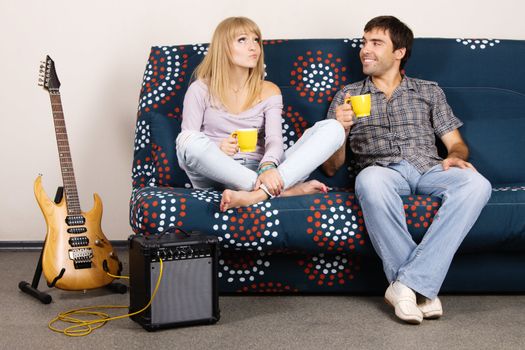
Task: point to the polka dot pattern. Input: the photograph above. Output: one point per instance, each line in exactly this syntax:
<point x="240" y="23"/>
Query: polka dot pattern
<point x="420" y="211"/>
<point x="268" y="287"/>
<point x="164" y="76"/>
<point x="293" y="126"/>
<point x="155" y="211"/>
<point x="143" y="173"/>
<point x="509" y="189"/>
<point x="355" y="43"/>
<point x="481" y="44"/>
<point x="317" y="76"/>
<point x="142" y="135"/>
<point x="336" y="223"/>
<point x="251" y="228"/>
<point x="200" y="49"/>
<point x="209" y="196"/>
<point x="329" y="270"/>
<point x="161" y="165"/>
<point x="246" y="268"/>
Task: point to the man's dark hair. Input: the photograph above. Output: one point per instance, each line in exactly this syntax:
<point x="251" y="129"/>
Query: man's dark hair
<point x="400" y="34"/>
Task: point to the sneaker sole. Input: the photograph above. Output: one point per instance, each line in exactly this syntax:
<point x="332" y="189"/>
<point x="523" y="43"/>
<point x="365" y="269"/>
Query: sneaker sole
<point x="415" y="321"/>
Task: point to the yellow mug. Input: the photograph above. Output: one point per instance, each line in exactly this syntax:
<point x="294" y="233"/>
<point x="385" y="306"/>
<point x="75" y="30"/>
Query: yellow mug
<point x="361" y="104"/>
<point x="246" y="139"/>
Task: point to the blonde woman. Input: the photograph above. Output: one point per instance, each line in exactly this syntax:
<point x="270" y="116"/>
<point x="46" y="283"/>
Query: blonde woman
<point x="230" y="93"/>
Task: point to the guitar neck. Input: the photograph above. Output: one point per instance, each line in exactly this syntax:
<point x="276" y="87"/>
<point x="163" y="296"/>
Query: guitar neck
<point x="64" y="154"/>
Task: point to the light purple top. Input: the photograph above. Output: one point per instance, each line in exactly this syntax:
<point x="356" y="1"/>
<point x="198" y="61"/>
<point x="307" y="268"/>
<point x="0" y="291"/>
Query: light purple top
<point x="217" y="123"/>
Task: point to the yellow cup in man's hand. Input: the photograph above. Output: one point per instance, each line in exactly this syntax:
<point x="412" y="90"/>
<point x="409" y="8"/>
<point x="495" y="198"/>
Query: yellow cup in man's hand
<point x="246" y="139"/>
<point x="361" y="104"/>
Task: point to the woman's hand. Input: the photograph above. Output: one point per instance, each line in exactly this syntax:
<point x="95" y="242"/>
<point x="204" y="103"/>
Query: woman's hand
<point x="229" y="146"/>
<point x="272" y="180"/>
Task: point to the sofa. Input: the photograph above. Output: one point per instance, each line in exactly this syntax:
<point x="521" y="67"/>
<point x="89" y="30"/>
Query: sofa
<point x="318" y="243"/>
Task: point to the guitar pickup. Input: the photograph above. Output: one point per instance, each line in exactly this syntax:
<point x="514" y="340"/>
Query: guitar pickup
<point x="75" y="220"/>
<point x="76" y="230"/>
<point x="79" y="241"/>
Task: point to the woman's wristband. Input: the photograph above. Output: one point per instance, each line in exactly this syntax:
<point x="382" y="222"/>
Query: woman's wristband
<point x="264" y="168"/>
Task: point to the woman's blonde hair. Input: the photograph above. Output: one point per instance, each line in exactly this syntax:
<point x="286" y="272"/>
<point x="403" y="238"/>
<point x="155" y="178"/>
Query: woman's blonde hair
<point x="215" y="66"/>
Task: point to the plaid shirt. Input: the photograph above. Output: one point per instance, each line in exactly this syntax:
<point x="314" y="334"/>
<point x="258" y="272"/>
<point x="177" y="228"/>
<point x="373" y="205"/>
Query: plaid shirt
<point x="402" y="128"/>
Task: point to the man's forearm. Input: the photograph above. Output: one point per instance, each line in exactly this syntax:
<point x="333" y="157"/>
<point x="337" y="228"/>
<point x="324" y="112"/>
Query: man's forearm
<point x="459" y="150"/>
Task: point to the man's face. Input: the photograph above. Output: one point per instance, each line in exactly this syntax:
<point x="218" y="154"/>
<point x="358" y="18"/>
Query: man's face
<point x="377" y="55"/>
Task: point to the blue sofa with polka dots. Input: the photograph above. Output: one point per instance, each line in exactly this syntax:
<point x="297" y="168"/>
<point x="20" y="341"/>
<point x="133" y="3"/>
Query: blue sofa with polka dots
<point x="318" y="243"/>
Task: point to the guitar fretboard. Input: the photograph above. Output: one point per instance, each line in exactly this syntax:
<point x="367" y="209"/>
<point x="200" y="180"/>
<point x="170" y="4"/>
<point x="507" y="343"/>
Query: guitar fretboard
<point x="64" y="154"/>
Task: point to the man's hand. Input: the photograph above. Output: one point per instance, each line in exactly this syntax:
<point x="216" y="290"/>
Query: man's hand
<point x="345" y="115"/>
<point x="229" y="146"/>
<point x="272" y="180"/>
<point x="456" y="162"/>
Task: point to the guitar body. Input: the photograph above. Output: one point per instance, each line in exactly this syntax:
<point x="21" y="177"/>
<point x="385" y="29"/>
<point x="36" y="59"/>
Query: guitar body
<point x="80" y="255"/>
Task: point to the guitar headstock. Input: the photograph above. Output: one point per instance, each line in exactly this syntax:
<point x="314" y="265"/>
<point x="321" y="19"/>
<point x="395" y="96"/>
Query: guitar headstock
<point x="48" y="76"/>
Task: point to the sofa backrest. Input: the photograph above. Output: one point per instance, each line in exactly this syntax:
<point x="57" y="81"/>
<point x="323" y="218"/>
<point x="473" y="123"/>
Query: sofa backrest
<point x="483" y="81"/>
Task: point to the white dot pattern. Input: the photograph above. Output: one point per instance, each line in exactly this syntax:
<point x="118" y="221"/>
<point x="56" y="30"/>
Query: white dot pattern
<point x="329" y="265"/>
<point x="168" y="206"/>
<point x="173" y="65"/>
<point x="222" y="223"/>
<point x="289" y="134"/>
<point x="356" y="42"/>
<point x="242" y="274"/>
<point x="474" y="44"/>
<point x="318" y="77"/>
<point x="200" y="49"/>
<point x="142" y="135"/>
<point x="509" y="189"/>
<point x="339" y="223"/>
<point x="208" y="196"/>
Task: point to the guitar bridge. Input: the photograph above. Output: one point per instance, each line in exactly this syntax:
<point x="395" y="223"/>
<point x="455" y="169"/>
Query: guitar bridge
<point x="81" y="257"/>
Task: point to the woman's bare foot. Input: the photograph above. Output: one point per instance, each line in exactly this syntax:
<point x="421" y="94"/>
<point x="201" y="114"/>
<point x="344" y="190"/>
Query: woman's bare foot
<point x="308" y="187"/>
<point x="235" y="199"/>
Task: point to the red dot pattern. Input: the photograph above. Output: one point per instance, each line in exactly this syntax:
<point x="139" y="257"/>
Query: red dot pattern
<point x="420" y="211"/>
<point x="330" y="270"/>
<point x="268" y="287"/>
<point x="305" y="62"/>
<point x="162" y="165"/>
<point x="157" y="78"/>
<point x="331" y="208"/>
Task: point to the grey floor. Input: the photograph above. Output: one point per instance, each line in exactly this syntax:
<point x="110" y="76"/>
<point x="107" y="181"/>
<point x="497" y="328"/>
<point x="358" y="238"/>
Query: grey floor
<point x="263" y="322"/>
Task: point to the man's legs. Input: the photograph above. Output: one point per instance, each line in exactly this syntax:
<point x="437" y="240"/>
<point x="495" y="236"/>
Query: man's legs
<point x="378" y="190"/>
<point x="464" y="193"/>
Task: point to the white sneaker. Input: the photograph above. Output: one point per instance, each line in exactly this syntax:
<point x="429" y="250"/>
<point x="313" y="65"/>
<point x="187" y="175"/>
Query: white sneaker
<point x="431" y="308"/>
<point x="403" y="299"/>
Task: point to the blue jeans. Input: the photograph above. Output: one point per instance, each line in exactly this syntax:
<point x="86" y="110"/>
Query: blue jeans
<point x="208" y="167"/>
<point x="423" y="266"/>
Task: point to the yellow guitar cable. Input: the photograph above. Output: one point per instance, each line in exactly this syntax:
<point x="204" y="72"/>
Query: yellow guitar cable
<point x="81" y="327"/>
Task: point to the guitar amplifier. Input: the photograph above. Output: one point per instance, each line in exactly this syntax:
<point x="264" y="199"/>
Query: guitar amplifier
<point x="187" y="294"/>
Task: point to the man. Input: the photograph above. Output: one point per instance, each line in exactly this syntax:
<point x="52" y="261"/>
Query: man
<point x="395" y="151"/>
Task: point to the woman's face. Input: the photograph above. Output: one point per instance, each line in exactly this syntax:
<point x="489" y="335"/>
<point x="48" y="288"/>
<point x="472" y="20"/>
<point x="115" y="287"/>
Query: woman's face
<point x="246" y="50"/>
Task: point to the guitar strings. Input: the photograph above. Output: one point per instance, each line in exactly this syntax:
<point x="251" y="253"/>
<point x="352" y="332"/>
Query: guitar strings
<point x="82" y="327"/>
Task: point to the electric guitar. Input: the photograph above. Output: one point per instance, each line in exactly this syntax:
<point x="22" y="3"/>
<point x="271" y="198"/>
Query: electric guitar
<point x="77" y="255"/>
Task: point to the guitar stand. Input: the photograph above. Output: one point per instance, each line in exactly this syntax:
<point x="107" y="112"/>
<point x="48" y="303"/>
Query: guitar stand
<point x="32" y="289"/>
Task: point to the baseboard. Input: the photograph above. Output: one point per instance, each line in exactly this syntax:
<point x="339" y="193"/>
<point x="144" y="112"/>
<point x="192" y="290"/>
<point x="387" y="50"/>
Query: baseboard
<point x="37" y="245"/>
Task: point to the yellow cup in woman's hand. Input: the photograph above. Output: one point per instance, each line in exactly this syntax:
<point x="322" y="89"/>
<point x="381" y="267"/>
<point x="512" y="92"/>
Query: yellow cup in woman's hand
<point x="246" y="139"/>
<point x="361" y="104"/>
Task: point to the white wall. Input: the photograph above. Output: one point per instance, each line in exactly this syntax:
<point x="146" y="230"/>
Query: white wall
<point x="100" y="49"/>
